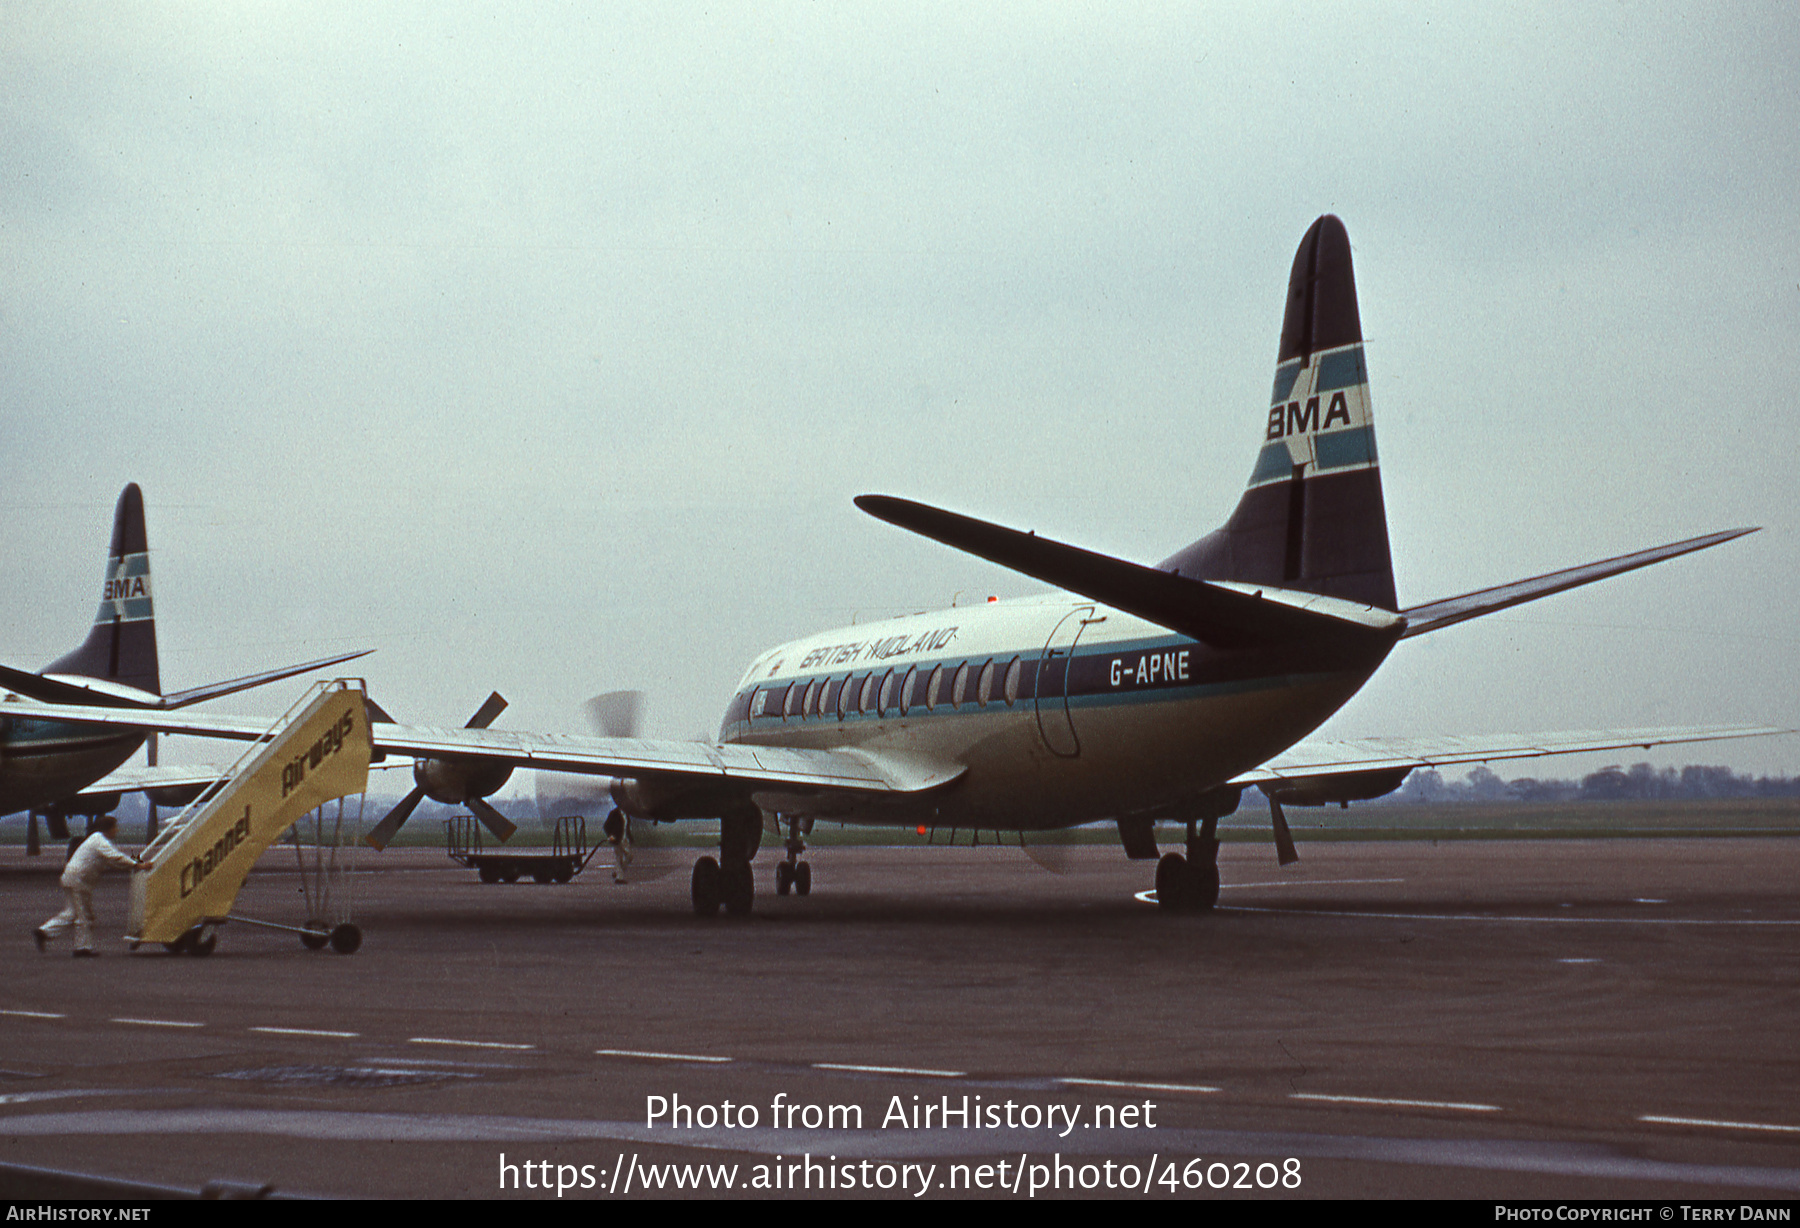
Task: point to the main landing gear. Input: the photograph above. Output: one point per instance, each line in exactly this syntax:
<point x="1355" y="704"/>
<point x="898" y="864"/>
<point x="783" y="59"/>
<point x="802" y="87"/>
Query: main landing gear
<point x="793" y="874"/>
<point x="1191" y="883"/>
<point x="729" y="880"/>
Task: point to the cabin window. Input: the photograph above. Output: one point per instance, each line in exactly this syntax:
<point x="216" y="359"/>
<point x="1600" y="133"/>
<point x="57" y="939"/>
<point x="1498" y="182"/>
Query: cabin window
<point x="759" y="699"/>
<point x="984" y="689"/>
<point x="934" y="690"/>
<point x="845" y="697"/>
<point x="811" y="704"/>
<point x="793" y="697"/>
<point x="868" y="693"/>
<point x="828" y="697"/>
<point x="959" y="689"/>
<point x="906" y="690"/>
<point x="887" y="692"/>
<point x="1013" y="673"/>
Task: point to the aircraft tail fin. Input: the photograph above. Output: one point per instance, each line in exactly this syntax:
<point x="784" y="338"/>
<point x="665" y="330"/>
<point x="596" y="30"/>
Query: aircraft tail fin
<point x="121" y="647"/>
<point x="1312" y="518"/>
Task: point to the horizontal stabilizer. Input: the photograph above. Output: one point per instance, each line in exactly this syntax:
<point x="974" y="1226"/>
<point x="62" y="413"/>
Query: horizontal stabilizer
<point x="70" y="690"/>
<point x="1237" y="616"/>
<point x="1436" y="614"/>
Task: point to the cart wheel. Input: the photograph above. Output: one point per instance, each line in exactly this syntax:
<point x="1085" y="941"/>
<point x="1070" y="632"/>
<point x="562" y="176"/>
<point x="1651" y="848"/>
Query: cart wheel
<point x="201" y="940"/>
<point x="564" y="873"/>
<point x="345" y="939"/>
<point x="510" y="874"/>
<point x="315" y="936"/>
<point x="543" y="876"/>
<point x="489" y="874"/>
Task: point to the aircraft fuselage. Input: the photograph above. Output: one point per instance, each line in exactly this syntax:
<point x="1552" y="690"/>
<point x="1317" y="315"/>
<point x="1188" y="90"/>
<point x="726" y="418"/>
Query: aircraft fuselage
<point x="1063" y="710"/>
<point x="42" y="762"/>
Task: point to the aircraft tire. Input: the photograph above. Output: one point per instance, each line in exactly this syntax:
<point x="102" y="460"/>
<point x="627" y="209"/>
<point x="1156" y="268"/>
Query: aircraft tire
<point x="510" y="874"/>
<point x="784" y="877"/>
<point x="1171" y="882"/>
<point x="706" y="888"/>
<point x="489" y="874"/>
<point x="1203" y="886"/>
<point x="564" y="873"/>
<point x="739" y="883"/>
<point x="803" y="878"/>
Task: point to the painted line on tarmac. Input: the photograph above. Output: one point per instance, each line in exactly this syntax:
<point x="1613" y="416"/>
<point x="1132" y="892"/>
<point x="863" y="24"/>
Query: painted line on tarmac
<point x="1721" y="1125"/>
<point x="651" y="1056"/>
<point x="35" y="1014"/>
<point x="1149" y="897"/>
<point x="159" y="1023"/>
<point x="1511" y="1155"/>
<point x="307" y="1032"/>
<point x="1145" y="1087"/>
<point x="1424" y="916"/>
<point x="471" y="1044"/>
<point x="1403" y="1104"/>
<point x="894" y="1070"/>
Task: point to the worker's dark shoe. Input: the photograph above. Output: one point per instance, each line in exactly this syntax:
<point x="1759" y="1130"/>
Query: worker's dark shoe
<point x="41" y="938"/>
<point x="83" y="953"/>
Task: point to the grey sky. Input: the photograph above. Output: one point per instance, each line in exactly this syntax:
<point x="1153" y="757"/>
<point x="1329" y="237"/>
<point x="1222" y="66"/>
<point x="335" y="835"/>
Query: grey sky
<point x="545" y="352"/>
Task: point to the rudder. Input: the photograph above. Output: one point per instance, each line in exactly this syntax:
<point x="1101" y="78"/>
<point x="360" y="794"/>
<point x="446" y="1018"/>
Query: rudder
<point x="121" y="647"/>
<point x="1312" y="518"/>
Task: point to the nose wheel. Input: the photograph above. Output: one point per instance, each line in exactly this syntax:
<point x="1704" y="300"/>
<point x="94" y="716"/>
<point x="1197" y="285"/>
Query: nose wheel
<point x="793" y="874"/>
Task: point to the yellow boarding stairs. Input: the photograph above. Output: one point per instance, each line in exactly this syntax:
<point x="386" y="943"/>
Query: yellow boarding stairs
<point x="316" y="754"/>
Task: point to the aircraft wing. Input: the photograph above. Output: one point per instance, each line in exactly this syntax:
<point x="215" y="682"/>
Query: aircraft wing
<point x="141" y="779"/>
<point x="1312" y="761"/>
<point x="708" y="762"/>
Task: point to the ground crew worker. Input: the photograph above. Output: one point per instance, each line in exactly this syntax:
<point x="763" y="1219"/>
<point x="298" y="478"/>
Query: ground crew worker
<point x="78" y="879"/>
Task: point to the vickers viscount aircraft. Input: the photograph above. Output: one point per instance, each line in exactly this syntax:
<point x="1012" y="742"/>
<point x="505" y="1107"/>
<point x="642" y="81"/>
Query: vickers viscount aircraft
<point x="1134" y="694"/>
<point x="61" y="768"/>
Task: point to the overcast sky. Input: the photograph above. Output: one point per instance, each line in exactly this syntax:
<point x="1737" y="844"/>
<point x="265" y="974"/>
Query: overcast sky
<point x="545" y="350"/>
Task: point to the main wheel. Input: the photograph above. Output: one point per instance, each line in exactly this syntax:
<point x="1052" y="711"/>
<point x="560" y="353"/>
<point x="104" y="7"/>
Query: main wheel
<point x="739" y="883"/>
<point x="315" y="935"/>
<point x="345" y="939"/>
<point x="489" y="874"/>
<point x="784" y="877"/>
<point x="1171" y="882"/>
<point x="706" y="888"/>
<point x="564" y="872"/>
<point x="543" y="876"/>
<point x="510" y="874"/>
<point x="1203" y="885"/>
<point x="803" y="878"/>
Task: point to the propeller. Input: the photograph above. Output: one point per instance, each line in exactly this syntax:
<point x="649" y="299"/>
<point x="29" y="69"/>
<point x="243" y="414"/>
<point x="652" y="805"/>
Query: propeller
<point x="455" y="782"/>
<point x="642" y="850"/>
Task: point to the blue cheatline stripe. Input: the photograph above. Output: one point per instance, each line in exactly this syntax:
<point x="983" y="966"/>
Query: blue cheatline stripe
<point x="1274" y="461"/>
<point x="137" y="608"/>
<point x="1339" y="449"/>
<point x="1344" y="369"/>
<point x="137" y="564"/>
<point x="1285" y="375"/>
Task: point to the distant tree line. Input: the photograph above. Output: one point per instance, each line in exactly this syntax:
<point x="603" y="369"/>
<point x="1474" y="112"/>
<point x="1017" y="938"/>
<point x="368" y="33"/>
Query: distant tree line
<point x="1639" y="782"/>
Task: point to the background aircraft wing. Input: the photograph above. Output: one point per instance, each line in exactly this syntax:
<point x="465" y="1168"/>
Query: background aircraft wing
<point x="761" y="767"/>
<point x="140" y="779"/>
<point x="1310" y="761"/>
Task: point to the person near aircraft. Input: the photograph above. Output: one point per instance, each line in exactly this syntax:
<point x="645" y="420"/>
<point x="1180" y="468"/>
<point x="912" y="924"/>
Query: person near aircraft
<point x="78" y="880"/>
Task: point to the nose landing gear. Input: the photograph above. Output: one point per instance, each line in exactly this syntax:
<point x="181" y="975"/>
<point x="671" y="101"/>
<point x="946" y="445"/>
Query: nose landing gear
<point x="794" y="874"/>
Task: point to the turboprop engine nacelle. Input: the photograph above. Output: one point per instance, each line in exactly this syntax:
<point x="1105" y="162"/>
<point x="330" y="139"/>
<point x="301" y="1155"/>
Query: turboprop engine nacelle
<point x="454" y="781"/>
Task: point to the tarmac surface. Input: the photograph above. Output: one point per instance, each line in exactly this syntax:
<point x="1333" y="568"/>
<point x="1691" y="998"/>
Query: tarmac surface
<point x="1553" y="1019"/>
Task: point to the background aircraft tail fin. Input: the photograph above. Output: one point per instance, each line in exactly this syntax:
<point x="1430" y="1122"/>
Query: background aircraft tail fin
<point x="1312" y="518"/>
<point x="121" y="647"/>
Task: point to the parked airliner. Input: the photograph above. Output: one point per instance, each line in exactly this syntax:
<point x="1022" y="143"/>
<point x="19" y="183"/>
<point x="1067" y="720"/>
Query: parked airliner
<point x="61" y="768"/>
<point x="1132" y="694"/>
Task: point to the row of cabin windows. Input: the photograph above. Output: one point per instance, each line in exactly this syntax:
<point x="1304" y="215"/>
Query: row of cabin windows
<point x="892" y="693"/>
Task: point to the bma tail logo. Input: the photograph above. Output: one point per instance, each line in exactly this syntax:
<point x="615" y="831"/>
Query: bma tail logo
<point x="1292" y="419"/>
